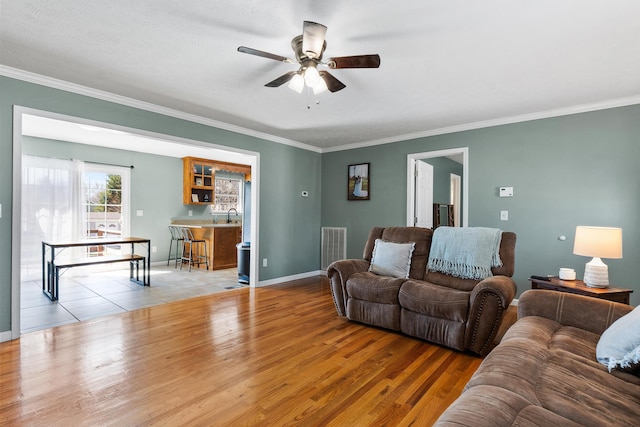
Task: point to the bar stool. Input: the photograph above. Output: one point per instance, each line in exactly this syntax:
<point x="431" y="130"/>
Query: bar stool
<point x="191" y="259"/>
<point x="176" y="236"/>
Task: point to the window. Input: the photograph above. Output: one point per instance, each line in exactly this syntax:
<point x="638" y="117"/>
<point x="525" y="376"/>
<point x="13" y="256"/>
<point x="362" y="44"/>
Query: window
<point x="105" y="191"/>
<point x="228" y="193"/>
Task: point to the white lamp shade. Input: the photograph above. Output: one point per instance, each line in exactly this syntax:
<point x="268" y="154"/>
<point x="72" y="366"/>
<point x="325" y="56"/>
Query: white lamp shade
<point x="600" y="242"/>
<point x="320" y="86"/>
<point x="311" y="76"/>
<point x="296" y="83"/>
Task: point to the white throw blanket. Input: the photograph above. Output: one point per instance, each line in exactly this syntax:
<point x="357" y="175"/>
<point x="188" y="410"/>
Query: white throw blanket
<point x="467" y="252"/>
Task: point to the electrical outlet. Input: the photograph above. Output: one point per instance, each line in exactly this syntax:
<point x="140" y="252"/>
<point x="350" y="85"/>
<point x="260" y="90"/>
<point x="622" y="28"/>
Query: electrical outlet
<point x="264" y="262"/>
<point x="190" y="213"/>
<point x="154" y="249"/>
<point x="139" y="212"/>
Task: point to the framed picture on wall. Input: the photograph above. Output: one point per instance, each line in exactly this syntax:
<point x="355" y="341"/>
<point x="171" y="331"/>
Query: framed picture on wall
<point x="359" y="182"/>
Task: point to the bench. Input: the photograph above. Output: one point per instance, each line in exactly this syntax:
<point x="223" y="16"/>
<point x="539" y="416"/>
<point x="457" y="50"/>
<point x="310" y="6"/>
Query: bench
<point x="134" y="261"/>
<point x="51" y="267"/>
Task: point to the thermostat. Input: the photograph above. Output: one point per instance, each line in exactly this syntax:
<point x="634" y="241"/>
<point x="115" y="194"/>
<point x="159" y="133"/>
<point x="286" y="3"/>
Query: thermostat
<point x="506" y="191"/>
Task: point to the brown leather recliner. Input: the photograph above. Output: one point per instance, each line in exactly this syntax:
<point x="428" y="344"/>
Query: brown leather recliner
<point x="463" y="314"/>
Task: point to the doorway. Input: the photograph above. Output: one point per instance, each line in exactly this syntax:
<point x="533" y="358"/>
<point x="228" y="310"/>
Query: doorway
<point x="418" y="189"/>
<point x="93" y="133"/>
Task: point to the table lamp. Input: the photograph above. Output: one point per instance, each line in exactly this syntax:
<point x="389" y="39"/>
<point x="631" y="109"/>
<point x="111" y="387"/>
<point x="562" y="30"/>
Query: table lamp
<point x="597" y="242"/>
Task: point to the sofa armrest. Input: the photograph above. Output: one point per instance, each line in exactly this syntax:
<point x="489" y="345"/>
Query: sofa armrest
<point x="487" y="303"/>
<point x="338" y="273"/>
<point x="591" y="314"/>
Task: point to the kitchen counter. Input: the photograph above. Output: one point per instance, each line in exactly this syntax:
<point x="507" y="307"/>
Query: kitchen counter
<point x="221" y="240"/>
<point x="206" y="225"/>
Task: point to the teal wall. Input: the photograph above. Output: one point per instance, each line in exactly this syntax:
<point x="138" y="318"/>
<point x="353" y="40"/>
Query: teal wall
<point x="442" y="169"/>
<point x="284" y="172"/>
<point x="573" y="170"/>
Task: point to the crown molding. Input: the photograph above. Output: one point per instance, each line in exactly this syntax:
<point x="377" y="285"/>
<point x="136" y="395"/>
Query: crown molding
<point x="576" y="109"/>
<point x="53" y="83"/>
<point x="134" y="103"/>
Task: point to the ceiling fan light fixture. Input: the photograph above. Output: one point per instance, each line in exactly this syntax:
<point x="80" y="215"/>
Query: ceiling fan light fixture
<point x="311" y="75"/>
<point x="309" y="48"/>
<point x="320" y="86"/>
<point x="296" y="83"/>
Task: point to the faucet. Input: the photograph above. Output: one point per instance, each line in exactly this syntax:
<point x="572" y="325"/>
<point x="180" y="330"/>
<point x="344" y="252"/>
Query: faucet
<point x="229" y="212"/>
<point x="213" y="214"/>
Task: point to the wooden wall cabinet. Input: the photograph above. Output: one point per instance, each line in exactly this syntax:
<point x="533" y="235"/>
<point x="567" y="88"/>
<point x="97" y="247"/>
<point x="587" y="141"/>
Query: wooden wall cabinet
<point x="198" y="181"/>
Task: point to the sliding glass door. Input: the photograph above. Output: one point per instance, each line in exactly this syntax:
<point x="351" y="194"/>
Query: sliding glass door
<point x="66" y="200"/>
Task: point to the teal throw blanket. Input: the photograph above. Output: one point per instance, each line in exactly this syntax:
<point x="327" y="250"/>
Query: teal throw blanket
<point x="466" y="252"/>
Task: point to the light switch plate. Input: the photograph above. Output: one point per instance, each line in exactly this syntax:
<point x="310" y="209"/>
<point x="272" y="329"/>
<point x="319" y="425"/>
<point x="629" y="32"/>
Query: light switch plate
<point x="139" y="212"/>
<point x="504" y="215"/>
<point x="506" y="191"/>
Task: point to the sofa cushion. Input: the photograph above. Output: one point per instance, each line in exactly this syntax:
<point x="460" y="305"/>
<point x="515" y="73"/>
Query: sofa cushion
<point x="435" y="301"/>
<point x="371" y="287"/>
<point x="572" y="390"/>
<point x="391" y="259"/>
<point x="374" y="313"/>
<point x="495" y="406"/>
<point x="421" y="237"/>
<point x="619" y="345"/>
<point x="552" y="367"/>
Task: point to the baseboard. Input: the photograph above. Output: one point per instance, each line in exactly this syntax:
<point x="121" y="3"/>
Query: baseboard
<point x="275" y="281"/>
<point x="5" y="336"/>
<point x="279" y="280"/>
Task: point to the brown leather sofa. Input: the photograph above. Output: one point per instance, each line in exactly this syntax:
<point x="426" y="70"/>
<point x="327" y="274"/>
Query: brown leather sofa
<point x="463" y="314"/>
<point x="544" y="372"/>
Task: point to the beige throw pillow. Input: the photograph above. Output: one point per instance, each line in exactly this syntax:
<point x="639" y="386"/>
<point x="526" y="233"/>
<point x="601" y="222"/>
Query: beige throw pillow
<point x="391" y="259"/>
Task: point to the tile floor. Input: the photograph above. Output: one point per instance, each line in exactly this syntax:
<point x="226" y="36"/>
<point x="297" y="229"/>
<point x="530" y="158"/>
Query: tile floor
<point x="104" y="293"/>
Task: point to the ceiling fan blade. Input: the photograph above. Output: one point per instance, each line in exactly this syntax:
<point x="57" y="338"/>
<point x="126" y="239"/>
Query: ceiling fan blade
<point x="263" y="54"/>
<point x="313" y="42"/>
<point x="333" y="84"/>
<point x="356" y="61"/>
<point x="282" y="79"/>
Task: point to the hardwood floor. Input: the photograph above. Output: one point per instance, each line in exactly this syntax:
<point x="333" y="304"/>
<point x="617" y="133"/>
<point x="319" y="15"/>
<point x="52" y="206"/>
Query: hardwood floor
<point x="277" y="355"/>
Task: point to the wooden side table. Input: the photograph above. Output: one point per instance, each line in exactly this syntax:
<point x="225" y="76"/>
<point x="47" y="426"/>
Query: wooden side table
<point x="578" y="287"/>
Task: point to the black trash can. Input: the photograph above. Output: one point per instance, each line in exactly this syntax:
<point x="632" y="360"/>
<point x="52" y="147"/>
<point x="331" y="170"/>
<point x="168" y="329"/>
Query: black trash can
<point x="244" y="252"/>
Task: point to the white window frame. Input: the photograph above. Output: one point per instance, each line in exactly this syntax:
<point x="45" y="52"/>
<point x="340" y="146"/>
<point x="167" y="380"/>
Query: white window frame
<point x="240" y="195"/>
<point x="125" y="174"/>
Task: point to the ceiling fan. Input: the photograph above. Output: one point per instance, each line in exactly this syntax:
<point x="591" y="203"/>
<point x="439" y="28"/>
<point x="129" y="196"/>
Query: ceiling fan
<point x="308" y="48"/>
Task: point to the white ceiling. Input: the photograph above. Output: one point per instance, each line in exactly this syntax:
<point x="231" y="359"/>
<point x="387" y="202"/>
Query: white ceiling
<point x="445" y="65"/>
<point x="106" y="135"/>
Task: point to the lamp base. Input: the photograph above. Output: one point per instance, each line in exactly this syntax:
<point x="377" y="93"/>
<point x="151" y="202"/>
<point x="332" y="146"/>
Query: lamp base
<point x="596" y="274"/>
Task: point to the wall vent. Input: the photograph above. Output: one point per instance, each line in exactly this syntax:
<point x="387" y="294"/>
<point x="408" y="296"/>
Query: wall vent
<point x="334" y="245"/>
